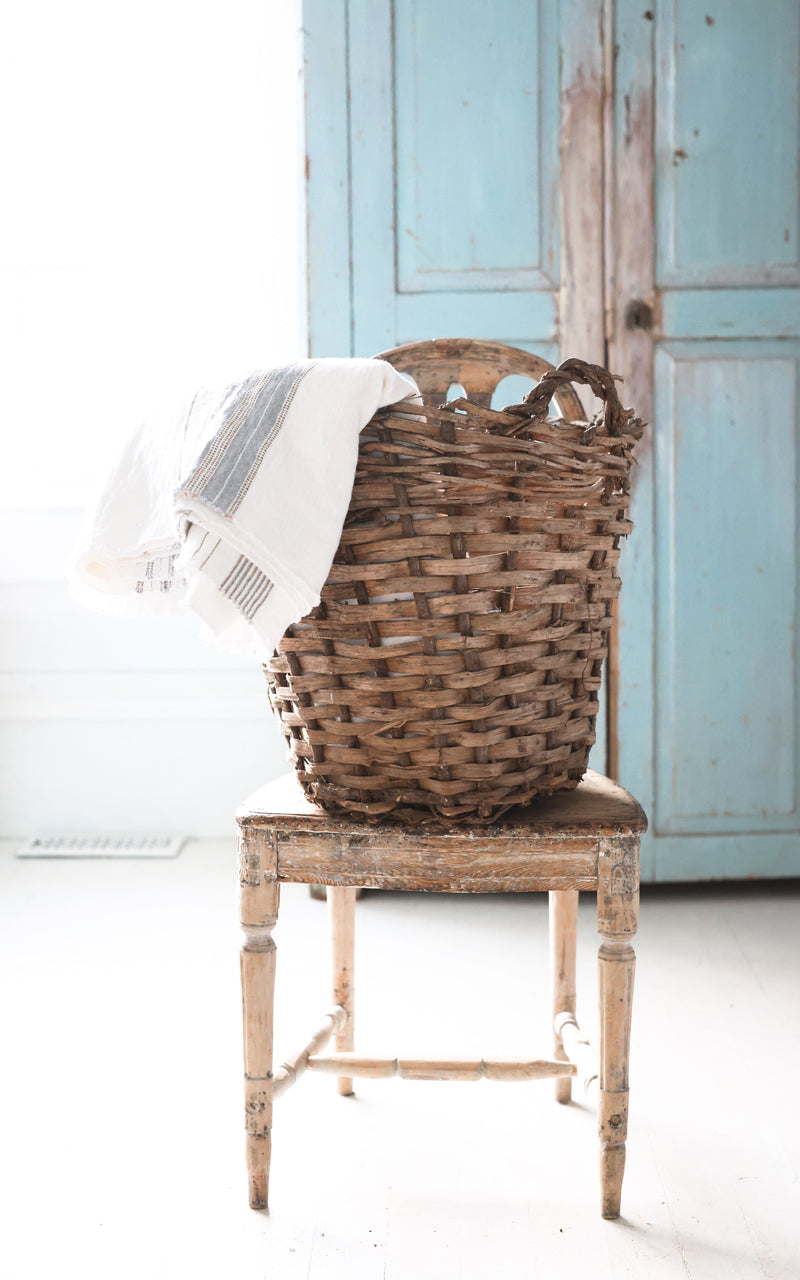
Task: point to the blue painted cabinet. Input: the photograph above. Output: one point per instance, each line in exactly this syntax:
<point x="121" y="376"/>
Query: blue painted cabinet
<point x="619" y="182"/>
<point x="433" y="171"/>
<point x="708" y="690"/>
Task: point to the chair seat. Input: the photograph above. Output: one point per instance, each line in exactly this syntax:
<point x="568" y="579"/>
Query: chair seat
<point x="552" y="843"/>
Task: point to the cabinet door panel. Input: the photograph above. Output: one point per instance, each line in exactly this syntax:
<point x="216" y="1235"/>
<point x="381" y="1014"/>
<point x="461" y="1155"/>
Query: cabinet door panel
<point x="726" y="588"/>
<point x="708" y="710"/>
<point x="476" y="129"/>
<point x="434" y="173"/>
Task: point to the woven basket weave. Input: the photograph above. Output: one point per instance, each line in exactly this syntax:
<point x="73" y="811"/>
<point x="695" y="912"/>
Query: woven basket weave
<point x="453" y="666"/>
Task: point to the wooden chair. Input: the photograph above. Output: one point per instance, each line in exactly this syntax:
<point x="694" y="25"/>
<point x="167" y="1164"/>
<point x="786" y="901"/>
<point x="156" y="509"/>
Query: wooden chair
<point x="586" y="839"/>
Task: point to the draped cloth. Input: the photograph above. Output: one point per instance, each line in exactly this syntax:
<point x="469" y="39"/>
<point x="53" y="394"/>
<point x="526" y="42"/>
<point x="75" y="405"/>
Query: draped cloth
<point x="234" y="508"/>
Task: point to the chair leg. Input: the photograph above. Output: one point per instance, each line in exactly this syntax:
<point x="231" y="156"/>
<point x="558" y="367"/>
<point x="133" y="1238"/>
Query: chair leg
<point x="258" y="992"/>
<point x="342" y="911"/>
<point x="618" y="912"/>
<point x="563" y="940"/>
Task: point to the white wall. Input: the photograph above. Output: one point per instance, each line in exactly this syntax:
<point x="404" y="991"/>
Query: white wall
<point x="151" y="241"/>
<point x="109" y="724"/>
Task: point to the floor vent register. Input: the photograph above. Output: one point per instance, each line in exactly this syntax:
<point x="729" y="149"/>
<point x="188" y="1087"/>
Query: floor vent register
<point x="102" y="846"/>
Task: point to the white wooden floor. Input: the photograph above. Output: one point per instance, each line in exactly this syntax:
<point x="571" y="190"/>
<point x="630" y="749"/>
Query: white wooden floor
<point x="122" y="1150"/>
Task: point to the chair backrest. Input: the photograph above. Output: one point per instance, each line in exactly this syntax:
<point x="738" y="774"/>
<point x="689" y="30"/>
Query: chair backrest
<point x="475" y="365"/>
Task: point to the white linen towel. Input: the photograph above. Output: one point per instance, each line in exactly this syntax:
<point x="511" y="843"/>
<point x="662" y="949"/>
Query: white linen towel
<point x="235" y="509"/>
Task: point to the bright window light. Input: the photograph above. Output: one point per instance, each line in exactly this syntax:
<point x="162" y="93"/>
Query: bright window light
<point x="149" y="230"/>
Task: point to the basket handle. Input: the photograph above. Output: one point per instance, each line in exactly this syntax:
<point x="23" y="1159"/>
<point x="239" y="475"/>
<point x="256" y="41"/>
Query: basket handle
<point x="594" y="376"/>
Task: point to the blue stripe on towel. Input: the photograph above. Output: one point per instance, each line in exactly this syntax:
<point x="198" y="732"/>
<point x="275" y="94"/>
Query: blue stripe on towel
<point x="239" y="457"/>
<point x="246" y="587"/>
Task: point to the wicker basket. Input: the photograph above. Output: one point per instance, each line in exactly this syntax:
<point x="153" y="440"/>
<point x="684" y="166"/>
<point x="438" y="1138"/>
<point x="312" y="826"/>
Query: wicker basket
<point x="453" y="666"/>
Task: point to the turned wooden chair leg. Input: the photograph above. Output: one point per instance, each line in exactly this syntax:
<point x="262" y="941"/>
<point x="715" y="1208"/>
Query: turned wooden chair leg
<point x="618" y="911"/>
<point x="342" y="911"/>
<point x="259" y="913"/>
<point x="563" y="941"/>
